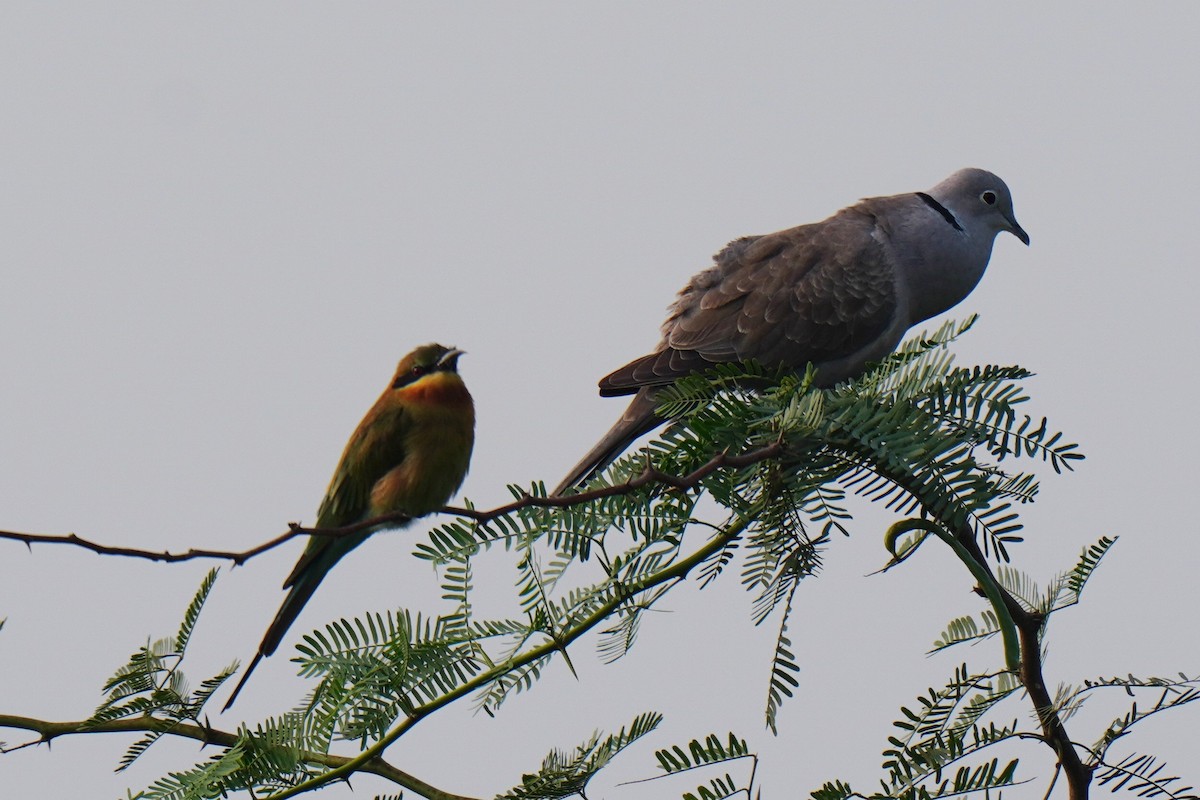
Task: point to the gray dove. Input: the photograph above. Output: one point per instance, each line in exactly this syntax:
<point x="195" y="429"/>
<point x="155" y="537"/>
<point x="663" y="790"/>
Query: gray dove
<point x="839" y="294"/>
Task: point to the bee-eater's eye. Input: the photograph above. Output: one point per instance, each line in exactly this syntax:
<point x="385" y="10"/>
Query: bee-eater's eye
<point x="414" y="373"/>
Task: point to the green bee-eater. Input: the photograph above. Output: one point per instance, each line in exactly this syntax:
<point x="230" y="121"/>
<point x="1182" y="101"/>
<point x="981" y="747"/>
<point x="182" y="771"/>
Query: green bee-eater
<point x="409" y="454"/>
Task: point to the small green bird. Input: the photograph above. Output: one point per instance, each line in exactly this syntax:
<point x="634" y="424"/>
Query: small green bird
<point x="409" y="454"/>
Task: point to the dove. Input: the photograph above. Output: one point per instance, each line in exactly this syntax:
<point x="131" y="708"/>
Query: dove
<point x="838" y="294"/>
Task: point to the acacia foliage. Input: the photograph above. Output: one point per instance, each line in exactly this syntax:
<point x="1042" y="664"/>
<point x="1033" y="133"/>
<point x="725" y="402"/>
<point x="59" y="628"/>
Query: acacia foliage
<point x="934" y="443"/>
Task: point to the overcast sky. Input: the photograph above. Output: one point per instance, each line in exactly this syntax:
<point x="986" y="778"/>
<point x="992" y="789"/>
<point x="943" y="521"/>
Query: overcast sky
<point x="221" y="225"/>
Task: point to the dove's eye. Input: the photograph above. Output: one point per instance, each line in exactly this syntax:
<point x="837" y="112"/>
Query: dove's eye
<point x="988" y="197"/>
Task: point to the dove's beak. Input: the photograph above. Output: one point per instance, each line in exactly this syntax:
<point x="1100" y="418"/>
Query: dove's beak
<point x="1017" y="230"/>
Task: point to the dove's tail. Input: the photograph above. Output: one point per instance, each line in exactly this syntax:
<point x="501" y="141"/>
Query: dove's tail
<point x="637" y="420"/>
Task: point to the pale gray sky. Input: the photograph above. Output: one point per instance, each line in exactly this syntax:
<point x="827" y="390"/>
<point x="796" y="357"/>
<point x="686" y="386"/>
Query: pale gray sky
<point x="222" y="225"/>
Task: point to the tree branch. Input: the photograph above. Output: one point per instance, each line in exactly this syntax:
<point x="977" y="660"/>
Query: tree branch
<point x="48" y="731"/>
<point x="371" y="760"/>
<point x="142" y="724"/>
<point x="648" y="476"/>
<point x="1029" y="626"/>
<point x="675" y="572"/>
<point x="239" y="557"/>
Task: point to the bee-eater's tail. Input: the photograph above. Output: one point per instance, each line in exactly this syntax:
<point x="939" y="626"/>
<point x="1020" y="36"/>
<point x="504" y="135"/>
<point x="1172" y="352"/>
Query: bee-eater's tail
<point x="314" y="565"/>
<point x="245" y="677"/>
<point x="639" y="418"/>
<point x="301" y="591"/>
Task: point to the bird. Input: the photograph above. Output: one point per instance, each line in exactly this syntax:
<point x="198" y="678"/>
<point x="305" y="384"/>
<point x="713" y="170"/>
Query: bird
<point x="409" y="455"/>
<point x="838" y="294"/>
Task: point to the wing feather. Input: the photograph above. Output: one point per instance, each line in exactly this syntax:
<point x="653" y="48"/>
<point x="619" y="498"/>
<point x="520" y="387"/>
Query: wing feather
<point x="814" y="293"/>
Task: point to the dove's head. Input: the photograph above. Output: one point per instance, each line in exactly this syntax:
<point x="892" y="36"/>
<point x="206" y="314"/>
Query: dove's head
<point x="981" y="201"/>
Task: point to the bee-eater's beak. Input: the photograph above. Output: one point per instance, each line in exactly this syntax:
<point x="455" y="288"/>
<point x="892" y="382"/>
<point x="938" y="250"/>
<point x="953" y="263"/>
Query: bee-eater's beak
<point x="449" y="360"/>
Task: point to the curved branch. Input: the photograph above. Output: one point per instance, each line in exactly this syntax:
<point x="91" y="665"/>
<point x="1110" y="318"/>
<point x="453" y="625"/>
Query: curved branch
<point x="1028" y="628"/>
<point x="987" y="582"/>
<point x="1032" y="674"/>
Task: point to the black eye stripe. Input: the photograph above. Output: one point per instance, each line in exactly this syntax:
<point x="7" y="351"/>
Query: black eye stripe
<point x="412" y="375"/>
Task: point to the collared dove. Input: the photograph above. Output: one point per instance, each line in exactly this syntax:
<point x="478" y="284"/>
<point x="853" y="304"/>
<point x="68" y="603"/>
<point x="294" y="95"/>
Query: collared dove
<point x="840" y="294"/>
